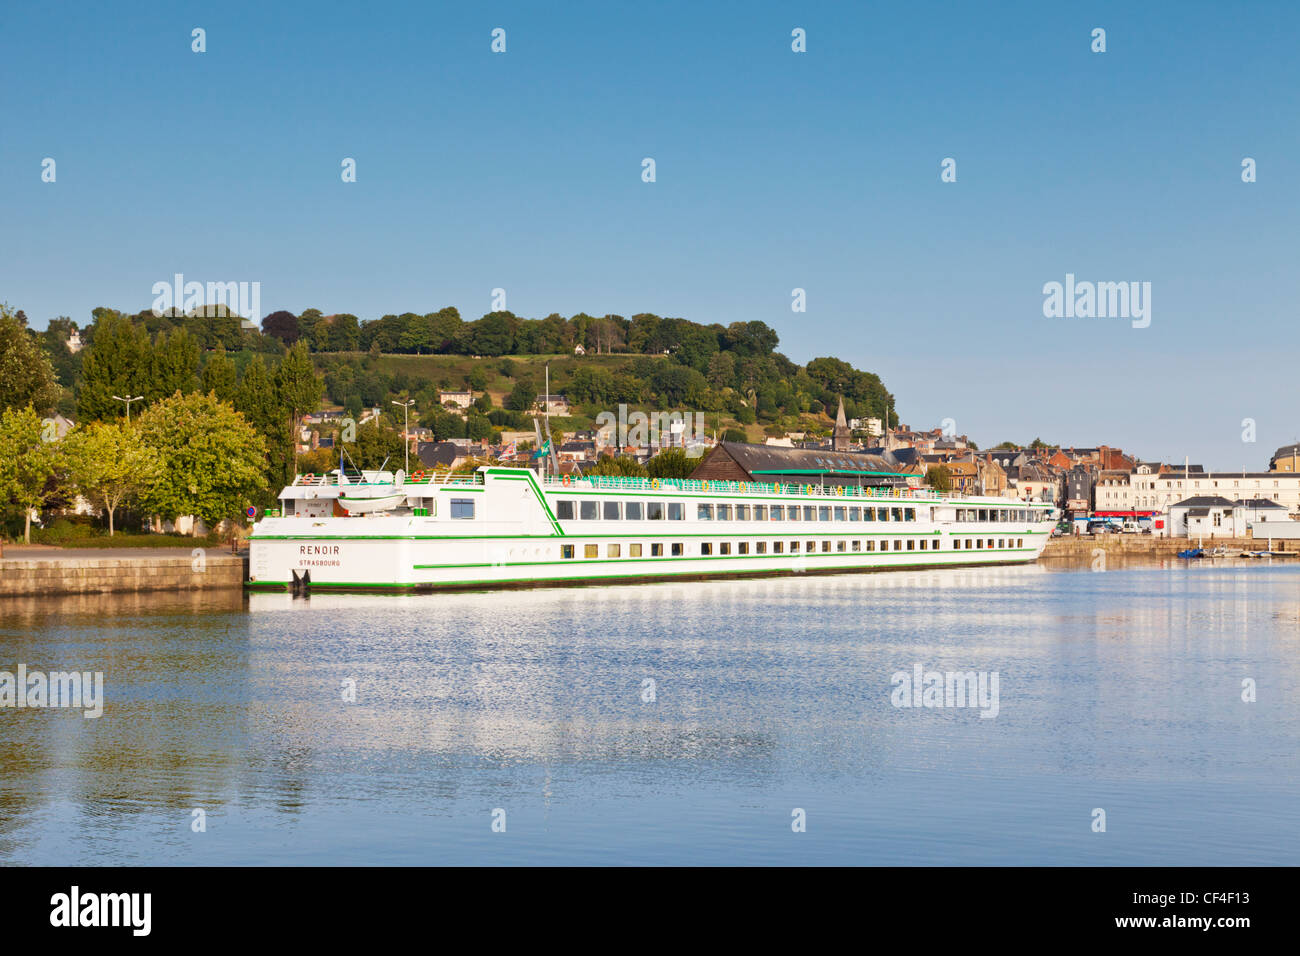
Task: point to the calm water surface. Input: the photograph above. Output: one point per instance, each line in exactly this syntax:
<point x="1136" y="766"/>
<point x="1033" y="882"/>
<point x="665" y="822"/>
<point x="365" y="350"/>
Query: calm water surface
<point x="1120" y="690"/>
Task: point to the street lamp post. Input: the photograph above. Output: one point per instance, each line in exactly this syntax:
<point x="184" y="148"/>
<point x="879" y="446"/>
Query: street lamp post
<point x="406" y="429"/>
<point x="136" y="398"/>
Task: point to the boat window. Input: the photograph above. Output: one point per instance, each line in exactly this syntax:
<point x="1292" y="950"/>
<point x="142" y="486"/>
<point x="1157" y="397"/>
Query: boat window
<point x="742" y="512"/>
<point x="634" y="550"/>
<point x="566" y="550"/>
<point x="654" y="510"/>
<point x="909" y="514"/>
<point x="609" y="510"/>
<point x="676" y="511"/>
<point x="612" y="550"/>
<point x="704" y="512"/>
<point x="632" y="511"/>
<point x="794" y="547"/>
<point x="984" y="514"/>
<point x="1020" y="542"/>
<point x="724" y="512"/>
<point x="760" y="512"/>
<point x="809" y="513"/>
<point x="724" y="548"/>
<point x="777" y="546"/>
<point x="462" y="507"/>
<point x="824" y="513"/>
<point x="840" y="545"/>
<point x="826" y="547"/>
<point x="956" y="544"/>
<point x="911" y="545"/>
<point x="742" y="548"/>
<point x="588" y="510"/>
<point x="857" y="545"/>
<point x="841" y="513"/>
<point x="778" y="512"/>
<point x="677" y="549"/>
<point x="811" y="547"/>
<point x="882" y="514"/>
<point x="706" y="547"/>
<point x="591" y="550"/>
<point x="760" y="547"/>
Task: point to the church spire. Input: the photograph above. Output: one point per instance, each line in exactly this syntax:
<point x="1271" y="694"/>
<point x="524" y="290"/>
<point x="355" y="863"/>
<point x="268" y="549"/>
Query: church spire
<point x="841" y="437"/>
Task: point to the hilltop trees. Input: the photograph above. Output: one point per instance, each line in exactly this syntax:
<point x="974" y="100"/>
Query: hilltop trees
<point x="26" y="375"/>
<point x="282" y="325"/>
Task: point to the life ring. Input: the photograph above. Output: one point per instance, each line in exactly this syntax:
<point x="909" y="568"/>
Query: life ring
<point x="418" y="476"/>
<point x="310" y="476"/>
<point x="839" y="491"/>
<point x="654" y="483"/>
<point x="566" y="481"/>
<point x="704" y="486"/>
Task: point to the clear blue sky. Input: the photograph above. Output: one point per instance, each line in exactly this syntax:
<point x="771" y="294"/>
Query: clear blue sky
<point x="775" y="170"/>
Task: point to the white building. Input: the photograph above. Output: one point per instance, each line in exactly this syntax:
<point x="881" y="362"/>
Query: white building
<point x="1152" y="492"/>
<point x="1213" y="516"/>
<point x="456" y="399"/>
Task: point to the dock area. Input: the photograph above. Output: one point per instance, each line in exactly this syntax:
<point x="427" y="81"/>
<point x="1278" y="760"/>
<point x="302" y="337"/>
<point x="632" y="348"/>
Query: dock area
<point x="1144" y="545"/>
<point x="30" y="570"/>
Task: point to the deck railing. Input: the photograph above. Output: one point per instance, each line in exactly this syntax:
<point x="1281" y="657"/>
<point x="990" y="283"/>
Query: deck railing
<point x="418" y="478"/>
<point x="684" y="485"/>
<point x="626" y="483"/>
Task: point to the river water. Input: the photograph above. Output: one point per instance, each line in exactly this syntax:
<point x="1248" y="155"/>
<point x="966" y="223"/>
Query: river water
<point x="719" y="722"/>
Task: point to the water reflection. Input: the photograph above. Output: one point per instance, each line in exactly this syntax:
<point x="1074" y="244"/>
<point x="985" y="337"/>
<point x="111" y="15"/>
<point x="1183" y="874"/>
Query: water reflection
<point x="764" y="691"/>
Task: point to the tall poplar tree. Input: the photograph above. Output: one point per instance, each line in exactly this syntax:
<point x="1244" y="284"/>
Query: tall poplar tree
<point x="119" y="361"/>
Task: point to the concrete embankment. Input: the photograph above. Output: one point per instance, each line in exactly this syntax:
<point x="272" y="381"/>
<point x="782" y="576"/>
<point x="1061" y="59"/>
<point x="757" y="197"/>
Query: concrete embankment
<point x="29" y="571"/>
<point x="1145" y="545"/>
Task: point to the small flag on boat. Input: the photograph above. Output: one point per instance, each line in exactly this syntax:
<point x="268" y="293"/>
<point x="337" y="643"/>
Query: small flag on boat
<point x="509" y="451"/>
<point x="543" y="451"/>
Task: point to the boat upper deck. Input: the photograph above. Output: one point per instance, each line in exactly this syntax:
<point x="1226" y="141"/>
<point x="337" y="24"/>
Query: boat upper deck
<point x="553" y="484"/>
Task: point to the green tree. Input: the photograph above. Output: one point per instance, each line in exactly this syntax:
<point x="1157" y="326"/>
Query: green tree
<point x="220" y="377"/>
<point x="211" y="461"/>
<point x="109" y="463"/>
<point x="257" y="400"/>
<point x="118" y="362"/>
<point x="939" y="478"/>
<point x="670" y="463"/>
<point x="623" y="465"/>
<point x="174" y="363"/>
<point x="298" y="386"/>
<point x="522" y="396"/>
<point x="26" y="375"/>
<point x="31" y="462"/>
<point x="376" y="444"/>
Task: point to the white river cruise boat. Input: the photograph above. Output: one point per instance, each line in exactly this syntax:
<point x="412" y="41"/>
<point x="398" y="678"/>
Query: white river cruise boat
<point x="508" y="527"/>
